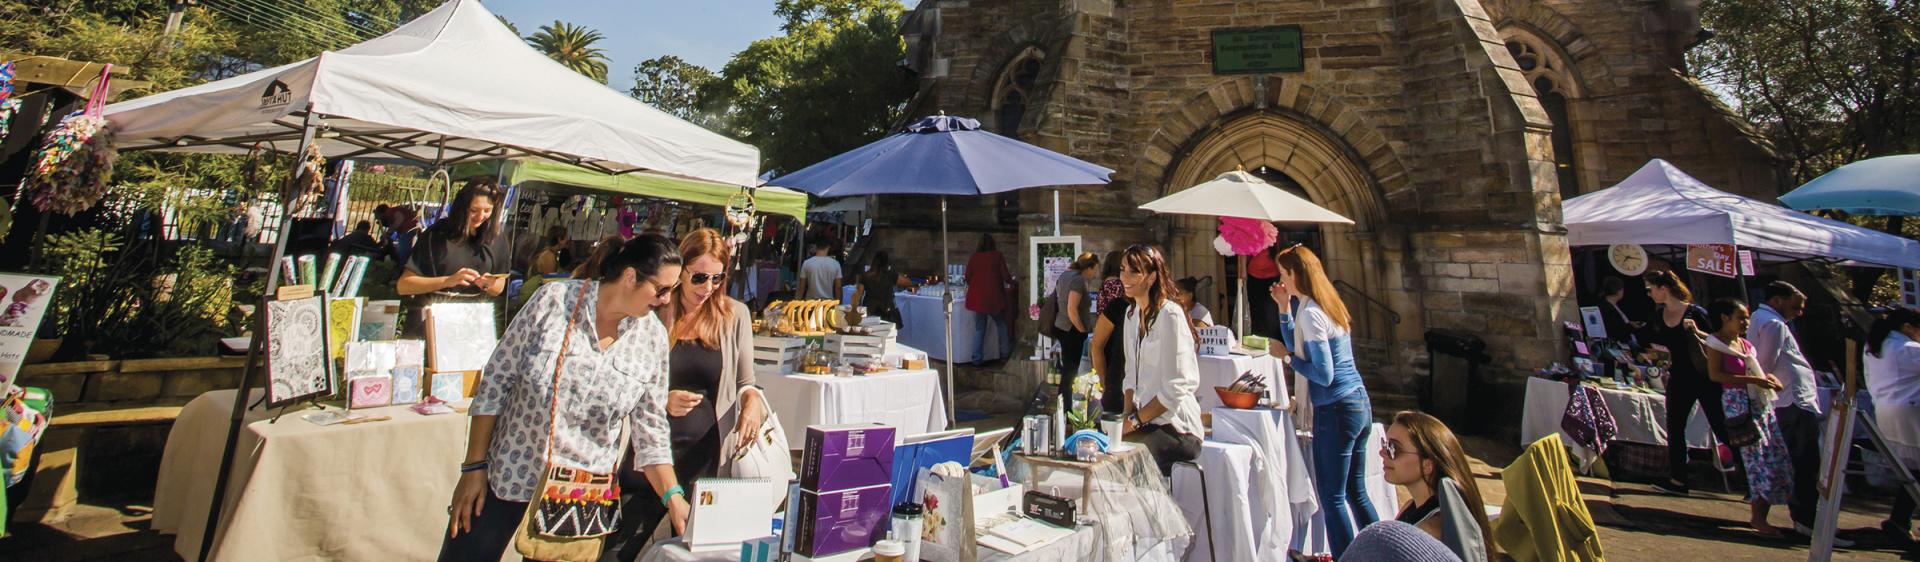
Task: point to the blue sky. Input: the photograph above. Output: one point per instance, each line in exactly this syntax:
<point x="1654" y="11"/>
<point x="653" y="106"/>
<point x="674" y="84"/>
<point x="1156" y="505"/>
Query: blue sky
<point x="704" y="32"/>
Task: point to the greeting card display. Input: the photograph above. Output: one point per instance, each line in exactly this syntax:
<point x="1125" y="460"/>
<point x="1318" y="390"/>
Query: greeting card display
<point x="380" y="320"/>
<point x="406" y="385"/>
<point x="370" y="392"/>
<point x="298" y="364"/>
<point x="449" y="387"/>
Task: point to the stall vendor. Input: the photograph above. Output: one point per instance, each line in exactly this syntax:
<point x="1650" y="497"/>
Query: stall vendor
<point x="456" y="259"/>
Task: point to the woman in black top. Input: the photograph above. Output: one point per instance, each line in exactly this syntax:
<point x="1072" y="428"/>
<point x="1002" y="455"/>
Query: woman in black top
<point x="875" y="288"/>
<point x="456" y="259"/>
<point x="1681" y="326"/>
<point x="1619" y="327"/>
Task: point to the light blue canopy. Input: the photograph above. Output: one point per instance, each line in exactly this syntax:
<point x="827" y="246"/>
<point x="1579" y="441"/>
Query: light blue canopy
<point x="1888" y="185"/>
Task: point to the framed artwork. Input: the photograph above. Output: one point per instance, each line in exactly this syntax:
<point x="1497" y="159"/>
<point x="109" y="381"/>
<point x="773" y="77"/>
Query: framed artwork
<point x="298" y="364"/>
<point x="460" y="336"/>
<point x="370" y="392"/>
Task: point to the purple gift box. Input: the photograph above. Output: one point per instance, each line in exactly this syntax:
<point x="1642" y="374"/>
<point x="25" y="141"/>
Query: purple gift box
<point x="834" y="522"/>
<point x="842" y="457"/>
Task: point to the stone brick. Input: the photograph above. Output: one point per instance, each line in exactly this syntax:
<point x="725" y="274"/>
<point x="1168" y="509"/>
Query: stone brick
<point x="113" y="387"/>
<point x="1464" y="285"/>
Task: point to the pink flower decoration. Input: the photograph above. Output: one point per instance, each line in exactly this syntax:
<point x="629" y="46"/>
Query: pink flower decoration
<point x="1248" y="236"/>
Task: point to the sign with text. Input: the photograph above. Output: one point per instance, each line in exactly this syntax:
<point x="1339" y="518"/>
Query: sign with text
<point x="1258" y="50"/>
<point x="1712" y="259"/>
<point x="25" y="298"/>
<point x="1216" y="340"/>
<point x="1746" y="263"/>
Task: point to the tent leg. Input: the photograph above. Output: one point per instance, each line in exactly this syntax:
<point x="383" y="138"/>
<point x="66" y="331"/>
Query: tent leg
<point x="946" y="303"/>
<point x="249" y="372"/>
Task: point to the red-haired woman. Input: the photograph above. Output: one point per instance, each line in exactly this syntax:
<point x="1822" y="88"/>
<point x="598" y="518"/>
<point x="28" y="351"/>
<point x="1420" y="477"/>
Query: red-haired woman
<point x="1318" y="330"/>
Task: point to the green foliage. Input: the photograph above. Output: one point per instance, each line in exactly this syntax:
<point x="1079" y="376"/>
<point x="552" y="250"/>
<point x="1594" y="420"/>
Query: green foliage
<point x="125" y="301"/>
<point x="828" y="85"/>
<point x="572" y="46"/>
<point x="673" y="85"/>
<point x="81" y="260"/>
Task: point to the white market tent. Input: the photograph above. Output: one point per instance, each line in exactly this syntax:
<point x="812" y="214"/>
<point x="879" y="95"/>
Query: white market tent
<point x="454" y="85"/>
<point x="1659" y="204"/>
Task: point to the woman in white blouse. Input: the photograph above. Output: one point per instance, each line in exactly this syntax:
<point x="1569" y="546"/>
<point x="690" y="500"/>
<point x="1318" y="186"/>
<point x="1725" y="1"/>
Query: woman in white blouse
<point x="614" y="374"/>
<point x="1163" y="370"/>
<point x="1893" y="379"/>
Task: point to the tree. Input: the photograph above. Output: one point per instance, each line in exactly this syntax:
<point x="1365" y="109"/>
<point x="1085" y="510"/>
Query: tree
<point x="829" y="84"/>
<point x="673" y="85"/>
<point x="1831" y="81"/>
<point x="572" y="46"/>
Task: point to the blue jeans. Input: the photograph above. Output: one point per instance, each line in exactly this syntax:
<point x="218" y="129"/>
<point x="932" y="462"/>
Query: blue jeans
<point x="985" y="325"/>
<point x="1340" y="432"/>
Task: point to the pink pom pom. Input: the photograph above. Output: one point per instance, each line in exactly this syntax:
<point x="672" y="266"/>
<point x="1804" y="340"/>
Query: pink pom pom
<point x="1248" y="236"/>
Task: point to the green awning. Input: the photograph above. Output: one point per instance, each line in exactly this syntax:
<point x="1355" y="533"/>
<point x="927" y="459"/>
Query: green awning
<point x="566" y="178"/>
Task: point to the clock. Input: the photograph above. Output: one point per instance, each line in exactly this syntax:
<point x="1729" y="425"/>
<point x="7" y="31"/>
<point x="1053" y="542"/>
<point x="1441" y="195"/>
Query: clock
<point x="1630" y="259"/>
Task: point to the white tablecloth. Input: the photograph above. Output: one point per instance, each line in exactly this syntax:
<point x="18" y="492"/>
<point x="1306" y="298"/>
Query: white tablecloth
<point x="371" y="491"/>
<point x="1082" y="545"/>
<point x="1273" y="480"/>
<point x="923" y="325"/>
<point x="910" y="401"/>
<point x="1221" y="371"/>
<point x="1641" y="417"/>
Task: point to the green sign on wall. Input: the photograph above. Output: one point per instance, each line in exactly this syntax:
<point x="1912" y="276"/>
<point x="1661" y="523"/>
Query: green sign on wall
<point x="1255" y="50"/>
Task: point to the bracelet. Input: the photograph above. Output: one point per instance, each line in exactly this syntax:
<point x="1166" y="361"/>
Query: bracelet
<point x="666" y="499"/>
<point x="473" y="466"/>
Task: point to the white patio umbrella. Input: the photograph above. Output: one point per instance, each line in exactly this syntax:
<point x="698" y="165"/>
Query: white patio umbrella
<point x="1243" y="195"/>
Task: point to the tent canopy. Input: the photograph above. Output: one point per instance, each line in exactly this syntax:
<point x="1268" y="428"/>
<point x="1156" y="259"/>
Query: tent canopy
<point x="1659" y="204"/>
<point x="454" y="85"/>
<point x="567" y="178"/>
<point x="1888" y="185"/>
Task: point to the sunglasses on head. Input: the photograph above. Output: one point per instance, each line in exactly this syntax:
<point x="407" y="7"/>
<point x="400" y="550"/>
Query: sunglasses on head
<point x="703" y="278"/>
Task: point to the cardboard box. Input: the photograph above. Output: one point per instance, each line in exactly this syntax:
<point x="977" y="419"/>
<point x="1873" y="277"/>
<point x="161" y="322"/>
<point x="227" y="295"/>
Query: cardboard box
<point x="829" y="523"/>
<point x="841" y="457"/>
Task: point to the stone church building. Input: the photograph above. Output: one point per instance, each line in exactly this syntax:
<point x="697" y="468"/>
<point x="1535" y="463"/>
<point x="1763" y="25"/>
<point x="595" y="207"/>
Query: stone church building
<point x="1448" y="130"/>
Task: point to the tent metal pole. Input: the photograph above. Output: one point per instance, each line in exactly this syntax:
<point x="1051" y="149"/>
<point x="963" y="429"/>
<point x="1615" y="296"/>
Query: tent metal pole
<point x="946" y="304"/>
<point x="250" y="372"/>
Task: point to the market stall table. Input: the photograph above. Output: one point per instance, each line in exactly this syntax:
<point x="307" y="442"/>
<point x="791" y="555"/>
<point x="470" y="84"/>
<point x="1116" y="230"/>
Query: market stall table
<point x="1221" y="370"/>
<point x="908" y="400"/>
<point x="299" y="491"/>
<point x="1260" y="488"/>
<point x="923" y="326"/>
<point x="1640" y="416"/>
<point x="1123" y="492"/>
<point x="1075" y="548"/>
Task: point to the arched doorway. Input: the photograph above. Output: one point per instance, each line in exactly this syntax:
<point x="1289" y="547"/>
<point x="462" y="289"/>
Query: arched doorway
<point x="1302" y="156"/>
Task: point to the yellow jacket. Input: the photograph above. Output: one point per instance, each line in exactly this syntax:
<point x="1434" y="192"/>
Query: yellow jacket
<point x="1544" y="517"/>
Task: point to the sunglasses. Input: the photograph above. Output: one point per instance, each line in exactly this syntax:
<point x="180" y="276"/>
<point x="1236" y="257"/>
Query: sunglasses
<point x="661" y="289"/>
<point x="703" y="278"/>
<point x="1392" y="450"/>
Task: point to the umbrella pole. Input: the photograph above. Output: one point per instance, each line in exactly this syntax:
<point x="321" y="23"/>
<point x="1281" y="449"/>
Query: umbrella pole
<point x="249" y="372"/>
<point x="946" y="303"/>
<point x="1240" y="310"/>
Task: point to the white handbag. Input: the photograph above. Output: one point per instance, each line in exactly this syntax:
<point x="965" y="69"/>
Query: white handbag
<point x="765" y="456"/>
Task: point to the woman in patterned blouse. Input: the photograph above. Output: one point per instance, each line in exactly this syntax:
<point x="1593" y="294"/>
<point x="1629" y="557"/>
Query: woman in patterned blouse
<point x="614" y="375"/>
<point x="710" y="381"/>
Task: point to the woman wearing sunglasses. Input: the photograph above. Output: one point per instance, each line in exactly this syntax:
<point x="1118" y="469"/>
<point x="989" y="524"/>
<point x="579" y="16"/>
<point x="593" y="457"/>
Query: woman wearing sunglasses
<point x="710" y="373"/>
<point x="1316" y="328"/>
<point x="1423" y="455"/>
<point x="584" y="359"/>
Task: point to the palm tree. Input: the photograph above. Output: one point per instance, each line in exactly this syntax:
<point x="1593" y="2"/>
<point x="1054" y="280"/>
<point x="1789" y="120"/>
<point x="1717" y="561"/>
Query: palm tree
<point x="572" y="46"/>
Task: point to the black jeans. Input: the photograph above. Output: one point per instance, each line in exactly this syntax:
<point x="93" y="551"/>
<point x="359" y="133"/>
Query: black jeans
<point x="494" y="529"/>
<point x="1801" y="429"/>
<point x="1073" y="344"/>
<point x="640" y="506"/>
<point x="1168" y="446"/>
<point x="1682" y="394"/>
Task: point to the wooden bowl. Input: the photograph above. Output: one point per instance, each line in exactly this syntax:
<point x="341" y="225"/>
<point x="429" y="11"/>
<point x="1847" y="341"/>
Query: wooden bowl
<point x="1237" y="400"/>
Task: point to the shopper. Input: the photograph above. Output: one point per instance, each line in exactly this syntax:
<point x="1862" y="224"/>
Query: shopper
<point x="1188" y="297"/>
<point x="1317" y="331"/>
<point x="1797" y="410"/>
<point x="1110" y="285"/>
<point x="1893" y="380"/>
<point x="1074" y="320"/>
<point x="1109" y="348"/>
<point x="553" y="256"/>
<point x="1423" y="455"/>
<point x="1748" y="401"/>
<point x="400" y="226"/>
<point x="988" y="285"/>
<point x="360" y="242"/>
<point x="457" y="259"/>
<point x="820" y="274"/>
<point x="584" y="359"/>
<point x="1619" y="327"/>
<point x="1681" y="327"/>
<point x="875" y="288"/>
<point x="1163" y="370"/>
<point x="710" y="381"/>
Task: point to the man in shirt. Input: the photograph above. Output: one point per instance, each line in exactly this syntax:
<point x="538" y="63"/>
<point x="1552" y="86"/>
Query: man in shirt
<point x="360" y="242"/>
<point x="402" y="225"/>
<point x="820" y="275"/>
<point x="1797" y="407"/>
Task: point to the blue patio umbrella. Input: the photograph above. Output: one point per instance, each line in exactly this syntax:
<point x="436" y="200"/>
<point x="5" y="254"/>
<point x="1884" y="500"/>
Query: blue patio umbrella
<point x="1888" y="185"/>
<point x="942" y="155"/>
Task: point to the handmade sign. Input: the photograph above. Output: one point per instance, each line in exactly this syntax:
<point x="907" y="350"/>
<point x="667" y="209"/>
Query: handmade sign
<point x="25" y="298"/>
<point x="1216" y="340"/>
<point x="1712" y="259"/>
<point x="298" y="366"/>
<point x="460" y="336"/>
